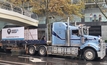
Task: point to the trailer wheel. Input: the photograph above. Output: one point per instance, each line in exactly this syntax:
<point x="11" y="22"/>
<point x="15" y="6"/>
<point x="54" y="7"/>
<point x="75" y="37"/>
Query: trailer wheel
<point x="89" y="54"/>
<point x="42" y="51"/>
<point x="31" y="50"/>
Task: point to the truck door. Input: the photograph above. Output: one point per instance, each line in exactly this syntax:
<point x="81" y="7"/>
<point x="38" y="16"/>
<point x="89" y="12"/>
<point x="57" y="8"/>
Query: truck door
<point x="75" y="38"/>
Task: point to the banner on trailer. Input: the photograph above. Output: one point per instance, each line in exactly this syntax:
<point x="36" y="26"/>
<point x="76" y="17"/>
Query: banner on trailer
<point x="16" y="33"/>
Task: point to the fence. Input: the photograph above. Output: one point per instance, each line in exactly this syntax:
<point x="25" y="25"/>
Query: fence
<point x="11" y="7"/>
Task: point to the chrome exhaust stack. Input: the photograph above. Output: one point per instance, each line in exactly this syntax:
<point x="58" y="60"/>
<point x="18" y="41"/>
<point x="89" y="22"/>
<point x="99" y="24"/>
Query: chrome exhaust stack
<point x="68" y="36"/>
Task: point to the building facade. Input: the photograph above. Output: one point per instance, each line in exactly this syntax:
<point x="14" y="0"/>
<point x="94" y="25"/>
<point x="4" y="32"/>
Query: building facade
<point x="92" y="17"/>
<point x="95" y="19"/>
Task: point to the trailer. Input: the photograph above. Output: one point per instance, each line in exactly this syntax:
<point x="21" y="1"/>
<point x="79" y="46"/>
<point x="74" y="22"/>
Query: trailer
<point x="66" y="40"/>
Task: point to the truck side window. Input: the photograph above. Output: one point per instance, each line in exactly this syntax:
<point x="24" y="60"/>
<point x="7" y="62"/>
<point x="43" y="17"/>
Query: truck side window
<point x="75" y="32"/>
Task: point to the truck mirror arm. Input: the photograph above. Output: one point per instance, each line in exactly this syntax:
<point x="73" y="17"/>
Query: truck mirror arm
<point x="86" y="39"/>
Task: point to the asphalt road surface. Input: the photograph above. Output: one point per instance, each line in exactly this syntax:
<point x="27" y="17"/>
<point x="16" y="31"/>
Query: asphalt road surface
<point x="12" y="59"/>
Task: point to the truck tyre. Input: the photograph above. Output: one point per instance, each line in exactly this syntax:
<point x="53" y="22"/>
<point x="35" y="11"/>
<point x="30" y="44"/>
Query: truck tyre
<point x="89" y="54"/>
<point x="42" y="51"/>
<point x="31" y="50"/>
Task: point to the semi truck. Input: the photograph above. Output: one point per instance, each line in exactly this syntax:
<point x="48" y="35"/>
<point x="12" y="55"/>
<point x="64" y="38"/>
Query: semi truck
<point x="66" y="40"/>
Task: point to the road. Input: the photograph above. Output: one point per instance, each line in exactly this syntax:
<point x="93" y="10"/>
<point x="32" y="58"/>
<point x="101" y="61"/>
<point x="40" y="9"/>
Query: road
<point x="11" y="59"/>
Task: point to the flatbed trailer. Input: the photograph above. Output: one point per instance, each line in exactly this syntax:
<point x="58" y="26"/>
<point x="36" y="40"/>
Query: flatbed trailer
<point x="22" y="44"/>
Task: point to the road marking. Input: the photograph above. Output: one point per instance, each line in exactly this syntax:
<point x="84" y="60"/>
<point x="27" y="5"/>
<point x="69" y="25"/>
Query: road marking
<point x="36" y="60"/>
<point x="59" y="58"/>
<point x="32" y="59"/>
<point x="89" y="63"/>
<point x="15" y="62"/>
<point x="104" y="63"/>
<point x="23" y="57"/>
<point x="5" y="64"/>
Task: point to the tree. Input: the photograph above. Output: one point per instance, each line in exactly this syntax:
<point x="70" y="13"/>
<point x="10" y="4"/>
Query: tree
<point x="63" y="8"/>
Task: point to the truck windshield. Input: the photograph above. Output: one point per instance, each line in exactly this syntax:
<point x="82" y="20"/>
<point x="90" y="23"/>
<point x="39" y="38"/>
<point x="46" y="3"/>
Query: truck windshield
<point x="75" y="32"/>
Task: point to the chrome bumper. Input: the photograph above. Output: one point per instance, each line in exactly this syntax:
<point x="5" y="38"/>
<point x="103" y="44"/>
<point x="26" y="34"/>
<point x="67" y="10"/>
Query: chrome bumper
<point x="102" y="52"/>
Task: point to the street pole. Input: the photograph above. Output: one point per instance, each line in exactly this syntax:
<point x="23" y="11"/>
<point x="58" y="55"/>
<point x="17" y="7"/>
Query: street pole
<point x="48" y="25"/>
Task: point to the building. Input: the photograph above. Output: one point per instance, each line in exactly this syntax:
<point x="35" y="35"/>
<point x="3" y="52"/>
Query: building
<point x="91" y="18"/>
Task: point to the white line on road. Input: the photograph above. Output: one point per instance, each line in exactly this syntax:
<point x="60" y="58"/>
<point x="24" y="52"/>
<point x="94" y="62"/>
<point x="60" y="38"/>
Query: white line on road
<point x="32" y="59"/>
<point x="15" y="62"/>
<point x="23" y="57"/>
<point x="59" y="58"/>
<point x="5" y="64"/>
<point x="36" y="60"/>
<point x="104" y="63"/>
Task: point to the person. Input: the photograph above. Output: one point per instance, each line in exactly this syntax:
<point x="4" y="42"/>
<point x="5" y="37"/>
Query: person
<point x="91" y="17"/>
<point x="43" y="38"/>
<point x="100" y="18"/>
<point x="95" y="17"/>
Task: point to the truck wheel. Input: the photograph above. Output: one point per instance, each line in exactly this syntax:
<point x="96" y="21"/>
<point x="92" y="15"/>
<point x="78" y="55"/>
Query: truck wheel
<point x="42" y="51"/>
<point x="89" y="54"/>
<point x="31" y="50"/>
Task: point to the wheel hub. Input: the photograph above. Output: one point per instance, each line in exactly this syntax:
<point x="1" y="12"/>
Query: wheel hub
<point x="89" y="55"/>
<point x="31" y="51"/>
<point x="42" y="51"/>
